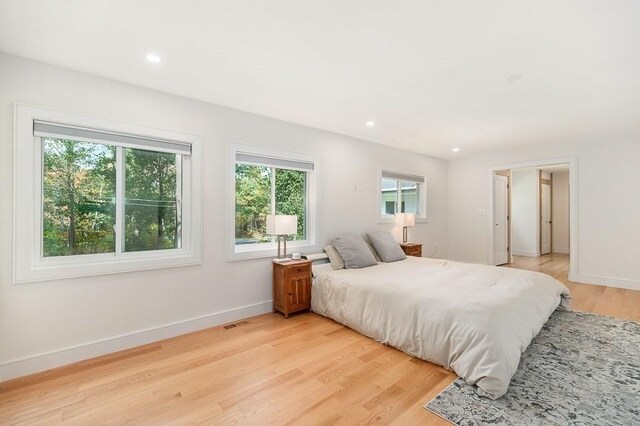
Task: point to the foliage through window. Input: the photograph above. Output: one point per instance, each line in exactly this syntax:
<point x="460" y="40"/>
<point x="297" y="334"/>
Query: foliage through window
<point x="401" y="194"/>
<point x="263" y="182"/>
<point x="80" y="201"/>
<point x="261" y="190"/>
<point x="152" y="190"/>
<point x="79" y="188"/>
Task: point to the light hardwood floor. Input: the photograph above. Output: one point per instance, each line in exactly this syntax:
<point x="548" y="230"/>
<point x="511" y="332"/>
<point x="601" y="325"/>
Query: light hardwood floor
<point x="615" y="302"/>
<point x="304" y="370"/>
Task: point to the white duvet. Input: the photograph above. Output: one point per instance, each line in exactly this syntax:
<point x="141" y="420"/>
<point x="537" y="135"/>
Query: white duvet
<point x="473" y="319"/>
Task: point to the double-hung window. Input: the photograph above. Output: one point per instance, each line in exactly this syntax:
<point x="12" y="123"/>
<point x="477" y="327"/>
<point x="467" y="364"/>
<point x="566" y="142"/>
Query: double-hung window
<point x="104" y="197"/>
<point x="401" y="193"/>
<point x="267" y="182"/>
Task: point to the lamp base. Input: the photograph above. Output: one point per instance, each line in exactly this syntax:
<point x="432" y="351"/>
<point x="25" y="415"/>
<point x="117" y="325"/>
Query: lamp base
<point x="281" y="260"/>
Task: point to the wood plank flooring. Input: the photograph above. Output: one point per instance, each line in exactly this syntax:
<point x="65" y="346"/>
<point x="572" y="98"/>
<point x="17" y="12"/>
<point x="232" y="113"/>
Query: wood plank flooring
<point x="305" y="370"/>
<point x="614" y="302"/>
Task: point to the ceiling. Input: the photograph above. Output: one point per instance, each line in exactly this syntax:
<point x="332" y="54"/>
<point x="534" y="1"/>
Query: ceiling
<point x="433" y="75"/>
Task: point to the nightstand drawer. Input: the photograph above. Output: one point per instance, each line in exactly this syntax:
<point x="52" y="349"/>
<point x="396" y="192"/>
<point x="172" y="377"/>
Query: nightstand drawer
<point x="299" y="270"/>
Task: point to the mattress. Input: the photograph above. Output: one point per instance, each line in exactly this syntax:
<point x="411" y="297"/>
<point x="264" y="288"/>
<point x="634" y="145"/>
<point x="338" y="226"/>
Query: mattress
<point x="473" y="319"/>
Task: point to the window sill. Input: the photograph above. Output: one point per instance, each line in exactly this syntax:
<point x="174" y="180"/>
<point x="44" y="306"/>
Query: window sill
<point x="391" y="220"/>
<point x="51" y="271"/>
<point x="270" y="252"/>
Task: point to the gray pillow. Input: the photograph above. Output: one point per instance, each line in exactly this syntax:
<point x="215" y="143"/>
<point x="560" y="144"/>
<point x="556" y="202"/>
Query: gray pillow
<point x="354" y="252"/>
<point x="376" y="256"/>
<point x="386" y="246"/>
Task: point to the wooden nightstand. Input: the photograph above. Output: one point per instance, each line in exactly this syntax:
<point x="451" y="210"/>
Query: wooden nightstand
<point x="412" y="249"/>
<point x="292" y="286"/>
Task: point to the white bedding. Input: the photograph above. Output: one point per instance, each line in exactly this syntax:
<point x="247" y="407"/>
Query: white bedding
<point x="473" y="319"/>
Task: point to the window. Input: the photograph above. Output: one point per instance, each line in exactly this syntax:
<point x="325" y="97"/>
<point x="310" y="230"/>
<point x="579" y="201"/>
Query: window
<point x="79" y="192"/>
<point x="102" y="200"/>
<point x="402" y="193"/>
<point x="269" y="182"/>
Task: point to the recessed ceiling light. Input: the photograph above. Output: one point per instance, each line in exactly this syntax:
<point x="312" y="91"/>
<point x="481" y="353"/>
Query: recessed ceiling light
<point x="455" y="149"/>
<point x="152" y="57"/>
<point x="370" y="123"/>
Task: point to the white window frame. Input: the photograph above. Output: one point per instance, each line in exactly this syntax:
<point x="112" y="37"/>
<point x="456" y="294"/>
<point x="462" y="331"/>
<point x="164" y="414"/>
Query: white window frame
<point x="261" y="250"/>
<point x="409" y="176"/>
<point x="30" y="265"/>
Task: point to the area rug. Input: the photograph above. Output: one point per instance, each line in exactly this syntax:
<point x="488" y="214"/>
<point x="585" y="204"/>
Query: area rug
<point x="582" y="369"/>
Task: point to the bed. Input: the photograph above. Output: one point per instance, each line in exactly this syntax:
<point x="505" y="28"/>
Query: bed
<point x="473" y="319"/>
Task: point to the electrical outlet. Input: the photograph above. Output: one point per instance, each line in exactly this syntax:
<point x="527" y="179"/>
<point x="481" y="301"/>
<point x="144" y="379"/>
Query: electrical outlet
<point x="356" y="187"/>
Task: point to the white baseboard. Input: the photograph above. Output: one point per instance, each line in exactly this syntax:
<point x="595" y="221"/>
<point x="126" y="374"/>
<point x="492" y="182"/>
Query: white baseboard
<point x="560" y="250"/>
<point x="525" y="253"/>
<point x="606" y="281"/>
<point x="60" y="357"/>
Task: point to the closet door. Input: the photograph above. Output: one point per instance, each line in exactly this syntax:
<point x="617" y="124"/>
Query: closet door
<point x="500" y="217"/>
<point x="545" y="218"/>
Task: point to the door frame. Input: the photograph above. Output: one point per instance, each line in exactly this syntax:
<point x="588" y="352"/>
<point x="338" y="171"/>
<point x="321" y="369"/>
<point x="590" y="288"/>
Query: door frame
<point x="573" y="206"/>
<point x="541" y="182"/>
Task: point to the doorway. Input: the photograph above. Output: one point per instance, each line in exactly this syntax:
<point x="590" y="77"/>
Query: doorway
<point x="531" y="212"/>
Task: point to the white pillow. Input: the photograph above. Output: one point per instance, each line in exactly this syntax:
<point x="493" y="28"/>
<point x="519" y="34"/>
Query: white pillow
<point x="334" y="257"/>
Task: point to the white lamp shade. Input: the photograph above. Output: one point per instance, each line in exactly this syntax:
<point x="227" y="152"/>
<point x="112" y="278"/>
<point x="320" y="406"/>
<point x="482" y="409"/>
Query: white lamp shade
<point x="406" y="219"/>
<point x="280" y="224"/>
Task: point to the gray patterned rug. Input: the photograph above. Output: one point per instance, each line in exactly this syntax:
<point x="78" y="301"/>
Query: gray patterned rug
<point x="582" y="369"/>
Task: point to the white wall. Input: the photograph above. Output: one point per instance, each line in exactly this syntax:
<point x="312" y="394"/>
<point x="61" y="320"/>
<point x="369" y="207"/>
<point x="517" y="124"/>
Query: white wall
<point x="608" y="229"/>
<point x="524" y="212"/>
<point x="560" y="206"/>
<point x="55" y="317"/>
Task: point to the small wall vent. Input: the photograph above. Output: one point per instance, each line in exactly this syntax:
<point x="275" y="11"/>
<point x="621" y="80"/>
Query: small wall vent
<point x="235" y="324"/>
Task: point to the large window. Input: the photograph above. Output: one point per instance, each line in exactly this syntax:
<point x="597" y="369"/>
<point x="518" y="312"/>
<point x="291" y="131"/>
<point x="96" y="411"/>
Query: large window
<point x="80" y="200"/>
<point x="402" y="193"/>
<point x="103" y="201"/>
<point x="267" y="182"/>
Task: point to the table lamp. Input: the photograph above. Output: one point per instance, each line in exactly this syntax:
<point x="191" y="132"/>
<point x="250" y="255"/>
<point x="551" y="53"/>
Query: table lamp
<point x="405" y="220"/>
<point x="282" y="225"/>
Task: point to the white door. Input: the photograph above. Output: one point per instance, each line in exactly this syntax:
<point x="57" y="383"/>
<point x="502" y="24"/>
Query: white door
<point x="545" y="219"/>
<point x="500" y="216"/>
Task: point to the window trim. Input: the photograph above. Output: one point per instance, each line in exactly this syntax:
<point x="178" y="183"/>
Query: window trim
<point x="408" y="174"/>
<point x="252" y="251"/>
<point x="28" y="263"/>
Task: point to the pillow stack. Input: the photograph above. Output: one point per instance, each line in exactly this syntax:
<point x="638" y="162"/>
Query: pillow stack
<point x="352" y="252"/>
